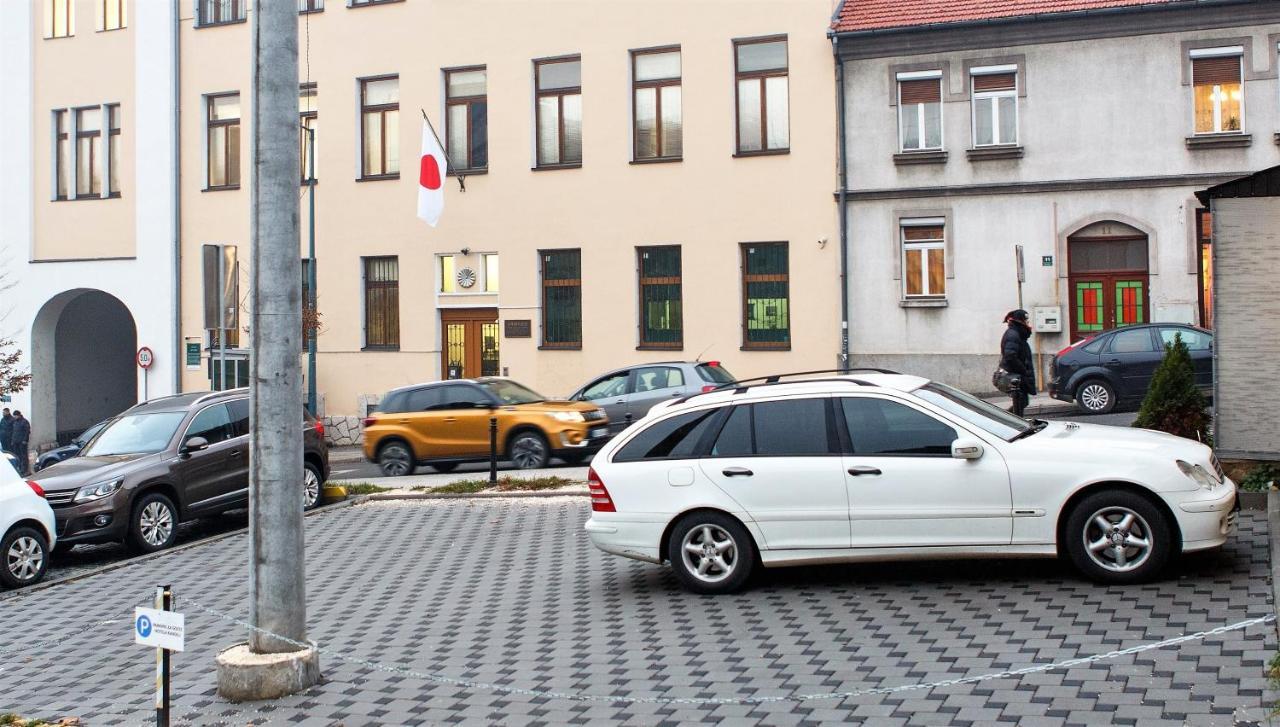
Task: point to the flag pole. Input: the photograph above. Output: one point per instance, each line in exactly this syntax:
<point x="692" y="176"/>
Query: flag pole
<point x="462" y="183"/>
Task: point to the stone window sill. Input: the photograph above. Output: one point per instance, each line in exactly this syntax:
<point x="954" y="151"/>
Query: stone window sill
<point x="923" y="303"/>
<point x="988" y="153"/>
<point x="933" y="156"/>
<point x="1219" y="141"/>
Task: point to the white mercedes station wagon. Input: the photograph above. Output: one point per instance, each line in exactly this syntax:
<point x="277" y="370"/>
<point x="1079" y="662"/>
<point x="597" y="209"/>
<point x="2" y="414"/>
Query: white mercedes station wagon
<point x="883" y="466"/>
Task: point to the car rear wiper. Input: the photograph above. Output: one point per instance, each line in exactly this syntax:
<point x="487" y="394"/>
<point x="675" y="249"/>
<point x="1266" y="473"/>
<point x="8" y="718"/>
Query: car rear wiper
<point x="1036" y="426"/>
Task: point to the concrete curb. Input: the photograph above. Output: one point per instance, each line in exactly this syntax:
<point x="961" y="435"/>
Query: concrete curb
<point x="1273" y="537"/>
<point x="469" y="495"/>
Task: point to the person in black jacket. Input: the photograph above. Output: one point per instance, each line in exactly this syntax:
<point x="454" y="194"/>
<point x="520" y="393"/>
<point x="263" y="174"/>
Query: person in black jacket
<point x="21" y="438"/>
<point x="1015" y="357"/>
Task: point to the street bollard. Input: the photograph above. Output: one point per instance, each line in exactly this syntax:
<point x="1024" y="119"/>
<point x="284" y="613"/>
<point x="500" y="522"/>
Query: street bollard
<point x="164" y="602"/>
<point x="493" y="450"/>
<point x="628" y="418"/>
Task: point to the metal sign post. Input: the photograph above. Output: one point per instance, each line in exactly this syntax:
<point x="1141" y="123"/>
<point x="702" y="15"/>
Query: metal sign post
<point x="165" y="630"/>
<point x="1022" y="271"/>
<point x="145" y="358"/>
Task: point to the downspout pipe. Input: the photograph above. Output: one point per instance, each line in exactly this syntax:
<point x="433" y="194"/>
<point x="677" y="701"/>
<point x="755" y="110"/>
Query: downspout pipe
<point x="179" y="352"/>
<point x="843" y="212"/>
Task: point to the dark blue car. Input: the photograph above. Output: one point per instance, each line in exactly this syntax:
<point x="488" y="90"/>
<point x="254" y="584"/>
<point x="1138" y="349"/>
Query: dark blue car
<point x="1115" y="367"/>
<point x="55" y="456"/>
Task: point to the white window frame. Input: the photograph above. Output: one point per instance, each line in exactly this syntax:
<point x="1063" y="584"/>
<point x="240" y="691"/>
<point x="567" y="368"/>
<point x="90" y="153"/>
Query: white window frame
<point x="920" y="122"/>
<point x="904" y="245"/>
<point x="993" y="98"/>
<point x="482" y="275"/>
<point x="1223" y="52"/>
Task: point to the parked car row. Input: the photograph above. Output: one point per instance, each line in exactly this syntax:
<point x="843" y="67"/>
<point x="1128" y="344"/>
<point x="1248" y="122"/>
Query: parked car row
<point x="140" y="476"/>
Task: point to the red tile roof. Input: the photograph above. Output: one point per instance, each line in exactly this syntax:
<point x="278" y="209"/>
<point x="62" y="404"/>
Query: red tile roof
<point x="856" y="15"/>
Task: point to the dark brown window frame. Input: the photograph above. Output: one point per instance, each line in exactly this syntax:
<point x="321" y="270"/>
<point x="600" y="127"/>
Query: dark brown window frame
<point x="739" y="76"/>
<point x="304" y="142"/>
<point x="747" y="344"/>
<point x="559" y="93"/>
<point x="120" y="13"/>
<point x="666" y="280"/>
<point x="382" y="110"/>
<point x="368" y="3"/>
<point x="366" y="263"/>
<point x="62" y="121"/>
<point x="238" y="14"/>
<point x="94" y="163"/>
<point x="210" y="125"/>
<point x="467" y="101"/>
<point x="544" y="284"/>
<point x="311" y="6"/>
<point x="51" y="16"/>
<point x="113" y="132"/>
<point x="657" y="85"/>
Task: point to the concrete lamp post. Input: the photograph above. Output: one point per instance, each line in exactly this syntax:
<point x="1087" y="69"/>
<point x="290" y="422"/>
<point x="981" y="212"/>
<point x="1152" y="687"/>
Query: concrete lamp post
<point x="278" y="659"/>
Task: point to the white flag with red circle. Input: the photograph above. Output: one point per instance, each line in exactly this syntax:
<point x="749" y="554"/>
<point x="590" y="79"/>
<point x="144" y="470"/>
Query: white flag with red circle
<point x="431" y="174"/>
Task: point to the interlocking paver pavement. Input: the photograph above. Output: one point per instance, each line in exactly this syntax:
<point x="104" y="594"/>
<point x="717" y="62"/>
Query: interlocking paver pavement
<point x="510" y="591"/>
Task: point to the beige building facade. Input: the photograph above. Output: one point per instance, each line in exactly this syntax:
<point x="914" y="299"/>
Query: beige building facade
<point x="647" y="181"/>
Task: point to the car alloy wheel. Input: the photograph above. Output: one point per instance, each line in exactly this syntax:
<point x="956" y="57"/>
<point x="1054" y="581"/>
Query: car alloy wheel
<point x="395" y="460"/>
<point x="24" y="559"/>
<point x="1117" y="539"/>
<point x="529" y="451"/>
<point x="710" y="553"/>
<point x="1095" y="397"/>
<point x="155" y="522"/>
<point x="311" y="488"/>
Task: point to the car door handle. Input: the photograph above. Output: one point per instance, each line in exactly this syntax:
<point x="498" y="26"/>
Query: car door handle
<point x="859" y="471"/>
<point x="1113" y="362"/>
<point x="233" y="453"/>
<point x="450" y="420"/>
<point x="737" y="472"/>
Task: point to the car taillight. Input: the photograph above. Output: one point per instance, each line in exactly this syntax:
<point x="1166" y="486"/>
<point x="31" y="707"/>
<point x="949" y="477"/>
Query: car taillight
<point x="36" y="488"/>
<point x="369" y="421"/>
<point x="319" y="428"/>
<point x="709" y="388"/>
<point x="600" y="500"/>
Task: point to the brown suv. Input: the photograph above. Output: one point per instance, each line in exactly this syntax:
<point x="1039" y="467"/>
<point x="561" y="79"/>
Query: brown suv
<point x="163" y="462"/>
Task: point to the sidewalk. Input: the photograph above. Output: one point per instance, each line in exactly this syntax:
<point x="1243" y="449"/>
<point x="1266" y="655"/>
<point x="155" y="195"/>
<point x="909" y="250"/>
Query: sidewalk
<point x="1040" y="405"/>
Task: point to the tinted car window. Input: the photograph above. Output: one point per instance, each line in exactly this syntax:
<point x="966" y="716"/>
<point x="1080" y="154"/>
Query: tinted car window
<point x="1094" y="346"/>
<point x="673" y="438"/>
<point x="394" y="403"/>
<point x="882" y="427"/>
<point x="422" y="400"/>
<point x="1135" y="341"/>
<point x="239" y="411"/>
<point x="1195" y="340"/>
<point x="612" y="385"/>
<point x="658" y="377"/>
<point x="735" y="437"/>
<point x="213" y="423"/>
<point x="463" y="397"/>
<point x="791" y="427"/>
<point x="714" y="373"/>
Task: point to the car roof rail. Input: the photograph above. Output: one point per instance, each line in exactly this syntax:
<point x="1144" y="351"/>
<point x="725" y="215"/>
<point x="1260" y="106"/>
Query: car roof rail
<point x="743" y="385"/>
<point x="212" y="395"/>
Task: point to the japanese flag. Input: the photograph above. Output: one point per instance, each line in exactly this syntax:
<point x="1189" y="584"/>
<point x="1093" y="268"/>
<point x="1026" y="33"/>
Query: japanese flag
<point x="431" y="172"/>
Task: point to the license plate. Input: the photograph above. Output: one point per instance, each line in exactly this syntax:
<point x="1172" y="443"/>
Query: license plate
<point x="599" y="432"/>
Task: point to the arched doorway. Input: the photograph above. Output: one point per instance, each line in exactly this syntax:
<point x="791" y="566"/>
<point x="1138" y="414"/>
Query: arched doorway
<point x="1108" y="278"/>
<point x="83" y="344"/>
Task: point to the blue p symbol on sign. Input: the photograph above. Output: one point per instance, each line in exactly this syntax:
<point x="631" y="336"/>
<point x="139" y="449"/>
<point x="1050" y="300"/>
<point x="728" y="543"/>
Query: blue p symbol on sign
<point x="144" y="626"/>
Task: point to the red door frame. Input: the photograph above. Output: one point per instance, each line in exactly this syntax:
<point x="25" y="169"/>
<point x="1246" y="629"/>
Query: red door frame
<point x="1108" y="279"/>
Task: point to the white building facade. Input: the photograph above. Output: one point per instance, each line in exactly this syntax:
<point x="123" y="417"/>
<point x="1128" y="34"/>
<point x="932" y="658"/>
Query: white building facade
<point x="1076" y="137"/>
<point x="87" y="205"/>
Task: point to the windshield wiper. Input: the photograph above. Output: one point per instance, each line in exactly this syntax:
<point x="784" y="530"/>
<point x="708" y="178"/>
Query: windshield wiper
<point x="1036" y="426"/>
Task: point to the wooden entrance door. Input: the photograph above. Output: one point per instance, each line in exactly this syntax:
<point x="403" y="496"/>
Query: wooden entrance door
<point x="469" y="343"/>
<point x="1108" y="283"/>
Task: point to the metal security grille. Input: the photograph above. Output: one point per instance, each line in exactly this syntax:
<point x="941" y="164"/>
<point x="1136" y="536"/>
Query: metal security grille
<point x="382" y="302"/>
<point x="766" y="296"/>
<point x="489" y="349"/>
<point x="661" y="311"/>
<point x="561" y="298"/>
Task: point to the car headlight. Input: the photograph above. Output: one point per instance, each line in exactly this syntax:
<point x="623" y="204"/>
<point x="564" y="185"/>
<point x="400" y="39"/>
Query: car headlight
<point x="1199" y="474"/>
<point x="568" y="416"/>
<point x="89" y="493"/>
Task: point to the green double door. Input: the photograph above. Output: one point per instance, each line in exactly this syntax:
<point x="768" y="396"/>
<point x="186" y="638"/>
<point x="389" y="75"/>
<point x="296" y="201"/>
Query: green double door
<point x="1103" y="302"/>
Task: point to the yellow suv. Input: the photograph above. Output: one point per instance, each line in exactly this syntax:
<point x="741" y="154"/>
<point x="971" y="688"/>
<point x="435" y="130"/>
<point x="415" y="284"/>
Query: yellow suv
<point x="446" y="423"/>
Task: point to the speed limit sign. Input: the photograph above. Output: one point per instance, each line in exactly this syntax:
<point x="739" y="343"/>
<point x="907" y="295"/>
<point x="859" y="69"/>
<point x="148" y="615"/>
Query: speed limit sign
<point x="145" y="358"/>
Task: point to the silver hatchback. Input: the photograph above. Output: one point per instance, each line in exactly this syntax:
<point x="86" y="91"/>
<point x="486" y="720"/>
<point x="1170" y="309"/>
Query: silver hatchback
<point x="627" y="394"/>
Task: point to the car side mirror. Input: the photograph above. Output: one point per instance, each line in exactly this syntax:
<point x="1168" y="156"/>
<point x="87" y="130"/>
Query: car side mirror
<point x="195" y="444"/>
<point x="966" y="449"/>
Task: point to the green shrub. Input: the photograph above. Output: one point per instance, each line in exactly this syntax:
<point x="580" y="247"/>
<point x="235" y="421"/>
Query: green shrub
<point x="1173" y="403"/>
<point x="1260" y="478"/>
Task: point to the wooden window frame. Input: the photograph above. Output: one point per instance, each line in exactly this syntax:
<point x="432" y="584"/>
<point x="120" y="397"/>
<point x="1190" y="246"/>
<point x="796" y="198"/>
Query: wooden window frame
<point x="925" y="245"/>
<point x="121" y="13"/>
<point x="381" y="110"/>
<point x="95" y="163"/>
<point x="305" y="118"/>
<point x="212" y="125"/>
<point x="366" y="263"/>
<point x="61" y="131"/>
<point x="993" y="98"/>
<point x="468" y="102"/>
<point x="51" y="18"/>
<point x="546" y="284"/>
<point x="657" y="85"/>
<point x="559" y="94"/>
<point x="761" y="76"/>
<point x="642" y="318"/>
<point x="745" y="279"/>
<point x="238" y="14"/>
